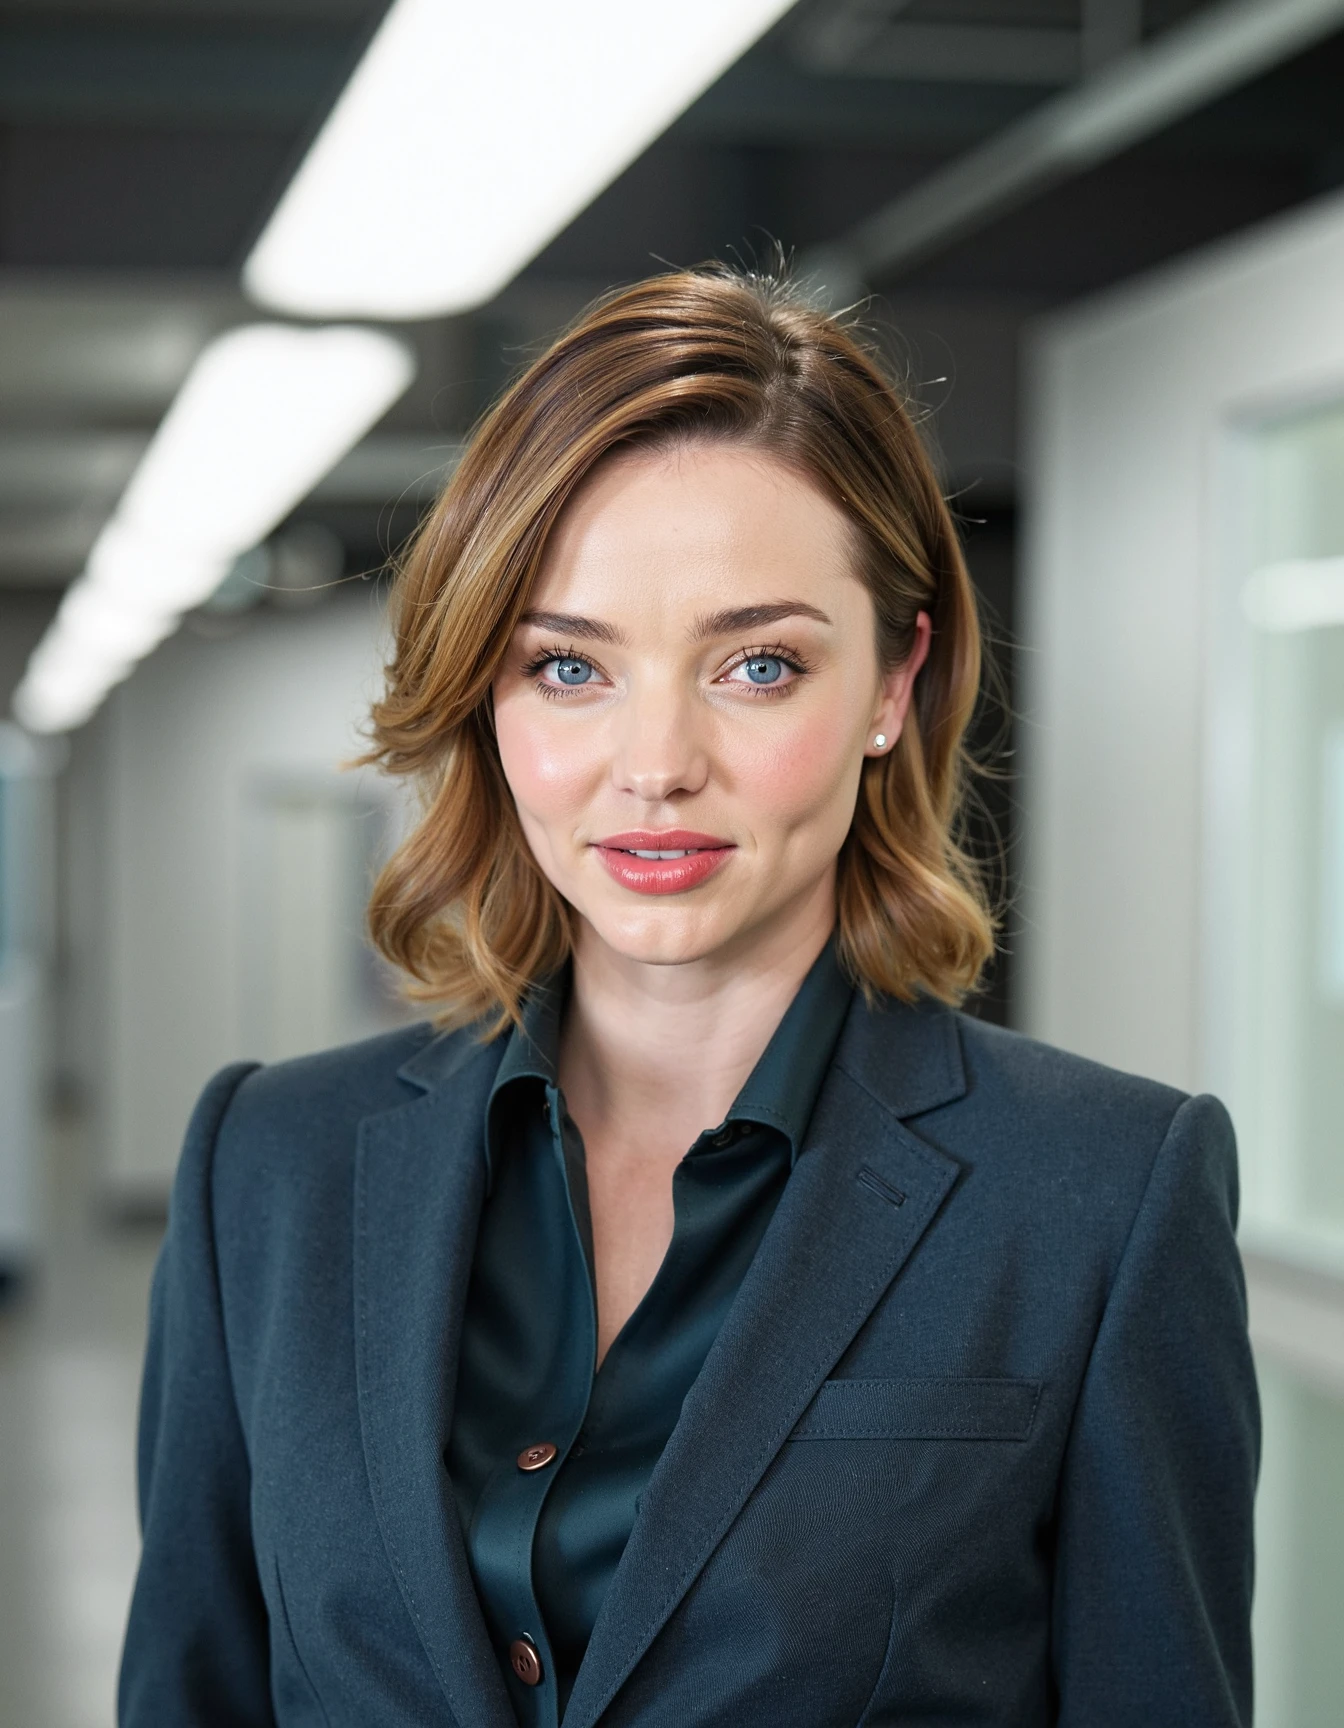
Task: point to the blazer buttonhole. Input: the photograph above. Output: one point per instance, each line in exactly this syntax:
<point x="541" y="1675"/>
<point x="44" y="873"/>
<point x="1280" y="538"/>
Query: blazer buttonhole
<point x="878" y="1185"/>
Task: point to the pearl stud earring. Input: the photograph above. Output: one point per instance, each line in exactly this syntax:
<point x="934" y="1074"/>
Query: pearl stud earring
<point x="880" y="740"/>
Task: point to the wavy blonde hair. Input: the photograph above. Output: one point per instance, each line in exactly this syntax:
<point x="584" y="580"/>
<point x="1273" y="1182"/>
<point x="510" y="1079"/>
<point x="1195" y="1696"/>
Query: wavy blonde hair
<point x="462" y="907"/>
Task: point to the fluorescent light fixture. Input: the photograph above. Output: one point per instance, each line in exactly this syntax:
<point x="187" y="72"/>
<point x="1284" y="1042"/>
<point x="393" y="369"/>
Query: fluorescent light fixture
<point x="67" y="676"/>
<point x="470" y="135"/>
<point x="143" y="572"/>
<point x="262" y="416"/>
<point x="1298" y="594"/>
<point x="112" y="631"/>
<point x="265" y="412"/>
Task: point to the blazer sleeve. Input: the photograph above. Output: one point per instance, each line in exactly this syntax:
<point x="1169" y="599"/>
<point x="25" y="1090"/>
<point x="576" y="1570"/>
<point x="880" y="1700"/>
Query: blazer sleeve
<point x="197" y="1651"/>
<point x="1154" y="1532"/>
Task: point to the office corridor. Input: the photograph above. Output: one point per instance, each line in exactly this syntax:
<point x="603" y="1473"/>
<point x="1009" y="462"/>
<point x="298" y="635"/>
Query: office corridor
<point x="69" y="1381"/>
<point x="261" y="283"/>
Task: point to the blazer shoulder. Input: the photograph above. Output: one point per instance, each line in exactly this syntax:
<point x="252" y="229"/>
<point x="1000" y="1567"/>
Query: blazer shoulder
<point x="309" y="1107"/>
<point x="359" y="1077"/>
<point x="272" y="1162"/>
<point x="1042" y="1077"/>
<point x="1068" y="1137"/>
<point x="1073" y="1119"/>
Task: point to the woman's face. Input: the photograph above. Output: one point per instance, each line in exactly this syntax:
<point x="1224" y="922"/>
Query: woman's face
<point x="684" y="710"/>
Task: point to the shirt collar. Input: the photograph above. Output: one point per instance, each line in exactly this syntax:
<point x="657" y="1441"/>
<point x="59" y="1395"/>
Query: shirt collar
<point x="533" y="1049"/>
<point x="781" y="1089"/>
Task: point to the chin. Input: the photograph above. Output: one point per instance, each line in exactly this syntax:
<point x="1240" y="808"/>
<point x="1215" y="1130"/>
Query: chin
<point x="659" y="935"/>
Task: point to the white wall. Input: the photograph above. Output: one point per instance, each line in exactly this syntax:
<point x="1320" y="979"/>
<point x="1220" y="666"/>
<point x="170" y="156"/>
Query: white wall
<point x="26" y="907"/>
<point x="189" y="741"/>
<point x="1132" y="404"/>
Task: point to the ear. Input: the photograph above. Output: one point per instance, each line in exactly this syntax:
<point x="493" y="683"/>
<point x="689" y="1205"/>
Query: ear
<point x="898" y="686"/>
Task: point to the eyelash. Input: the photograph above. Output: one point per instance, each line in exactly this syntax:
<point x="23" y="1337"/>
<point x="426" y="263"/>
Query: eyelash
<point x="545" y="657"/>
<point x="790" y="657"/>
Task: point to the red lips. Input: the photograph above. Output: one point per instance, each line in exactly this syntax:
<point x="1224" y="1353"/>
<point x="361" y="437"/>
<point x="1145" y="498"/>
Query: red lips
<point x="701" y="856"/>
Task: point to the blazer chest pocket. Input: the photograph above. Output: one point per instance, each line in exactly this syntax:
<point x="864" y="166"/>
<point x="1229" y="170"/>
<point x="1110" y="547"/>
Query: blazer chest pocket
<point x="926" y="1409"/>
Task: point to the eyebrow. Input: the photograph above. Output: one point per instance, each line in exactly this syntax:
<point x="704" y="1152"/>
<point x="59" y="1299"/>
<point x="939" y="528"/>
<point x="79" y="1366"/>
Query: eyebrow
<point x="737" y="618"/>
<point x="728" y="622"/>
<point x="575" y="624"/>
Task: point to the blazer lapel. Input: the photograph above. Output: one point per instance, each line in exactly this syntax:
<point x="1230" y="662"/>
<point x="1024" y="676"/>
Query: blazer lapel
<point x="863" y="1192"/>
<point x="420" y="1184"/>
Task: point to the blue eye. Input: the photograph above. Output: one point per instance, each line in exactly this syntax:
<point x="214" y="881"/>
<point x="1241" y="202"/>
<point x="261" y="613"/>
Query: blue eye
<point x="572" y="671"/>
<point x="764" y="668"/>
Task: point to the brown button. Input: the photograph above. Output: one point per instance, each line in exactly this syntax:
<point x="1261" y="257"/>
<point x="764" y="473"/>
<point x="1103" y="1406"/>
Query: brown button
<point x="525" y="1662"/>
<point x="536" y="1457"/>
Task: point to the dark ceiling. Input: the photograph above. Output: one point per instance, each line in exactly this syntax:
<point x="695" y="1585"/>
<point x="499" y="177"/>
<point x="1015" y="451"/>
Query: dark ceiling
<point x="156" y="136"/>
<point x="143" y="143"/>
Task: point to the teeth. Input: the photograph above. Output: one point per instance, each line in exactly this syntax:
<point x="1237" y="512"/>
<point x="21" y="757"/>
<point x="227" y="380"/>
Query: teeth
<point x="636" y="854"/>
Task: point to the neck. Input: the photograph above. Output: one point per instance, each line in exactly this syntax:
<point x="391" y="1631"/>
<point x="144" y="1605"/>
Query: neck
<point x="672" y="1045"/>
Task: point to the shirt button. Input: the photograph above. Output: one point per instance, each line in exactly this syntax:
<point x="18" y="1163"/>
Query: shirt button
<point x="536" y="1457"/>
<point x="722" y="1138"/>
<point x="525" y="1662"/>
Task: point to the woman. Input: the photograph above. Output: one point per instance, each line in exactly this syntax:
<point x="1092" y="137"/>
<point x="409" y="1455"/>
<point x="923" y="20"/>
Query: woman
<point x="706" y="1323"/>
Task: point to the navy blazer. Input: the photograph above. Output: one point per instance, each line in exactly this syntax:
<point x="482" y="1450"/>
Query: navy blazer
<point x="975" y="1445"/>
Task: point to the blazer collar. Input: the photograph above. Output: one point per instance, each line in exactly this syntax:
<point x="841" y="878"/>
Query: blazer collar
<point x="781" y="1089"/>
<point x="449" y="1054"/>
<point x="420" y="1182"/>
<point x="906" y="1055"/>
<point x="858" y="1203"/>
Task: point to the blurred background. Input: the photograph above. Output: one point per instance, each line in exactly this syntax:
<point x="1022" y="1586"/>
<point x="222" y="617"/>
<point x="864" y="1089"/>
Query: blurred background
<point x="264" y="262"/>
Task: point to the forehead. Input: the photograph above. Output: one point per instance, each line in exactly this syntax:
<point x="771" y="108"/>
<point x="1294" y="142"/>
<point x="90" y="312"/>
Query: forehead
<point x="695" y="524"/>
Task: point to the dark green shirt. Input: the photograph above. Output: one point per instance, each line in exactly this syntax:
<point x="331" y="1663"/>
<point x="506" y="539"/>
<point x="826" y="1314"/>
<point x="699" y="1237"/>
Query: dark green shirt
<point x="544" y="1544"/>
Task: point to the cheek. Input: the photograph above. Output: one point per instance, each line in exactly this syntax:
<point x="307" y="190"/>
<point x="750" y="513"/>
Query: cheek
<point x="549" y="765"/>
<point x="799" y="774"/>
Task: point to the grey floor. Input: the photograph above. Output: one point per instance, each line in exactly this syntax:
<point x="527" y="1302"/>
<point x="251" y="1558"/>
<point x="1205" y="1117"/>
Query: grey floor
<point x="69" y="1376"/>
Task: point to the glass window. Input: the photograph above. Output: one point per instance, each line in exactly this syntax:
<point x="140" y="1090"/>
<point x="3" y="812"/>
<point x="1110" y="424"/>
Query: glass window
<point x="1288" y="1081"/>
<point x="1274" y="1009"/>
<point x="1299" y="1653"/>
<point x="6" y="877"/>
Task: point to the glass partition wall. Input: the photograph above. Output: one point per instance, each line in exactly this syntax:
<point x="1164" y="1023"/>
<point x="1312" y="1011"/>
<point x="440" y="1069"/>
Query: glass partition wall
<point x="1290" y="1087"/>
<point x="1275" y="1008"/>
<point x="1277" y="844"/>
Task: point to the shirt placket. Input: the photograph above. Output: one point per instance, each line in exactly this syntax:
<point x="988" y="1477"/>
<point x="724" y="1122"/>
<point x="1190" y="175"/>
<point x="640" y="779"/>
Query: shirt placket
<point x="510" y="1508"/>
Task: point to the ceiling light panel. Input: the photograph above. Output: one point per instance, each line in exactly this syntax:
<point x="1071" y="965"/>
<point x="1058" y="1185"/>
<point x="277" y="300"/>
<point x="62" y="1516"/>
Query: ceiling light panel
<point x="263" y="414"/>
<point x="470" y="135"/>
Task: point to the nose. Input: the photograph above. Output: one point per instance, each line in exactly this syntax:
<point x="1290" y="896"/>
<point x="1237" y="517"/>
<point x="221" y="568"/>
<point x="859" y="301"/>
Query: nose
<point x="659" y="751"/>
